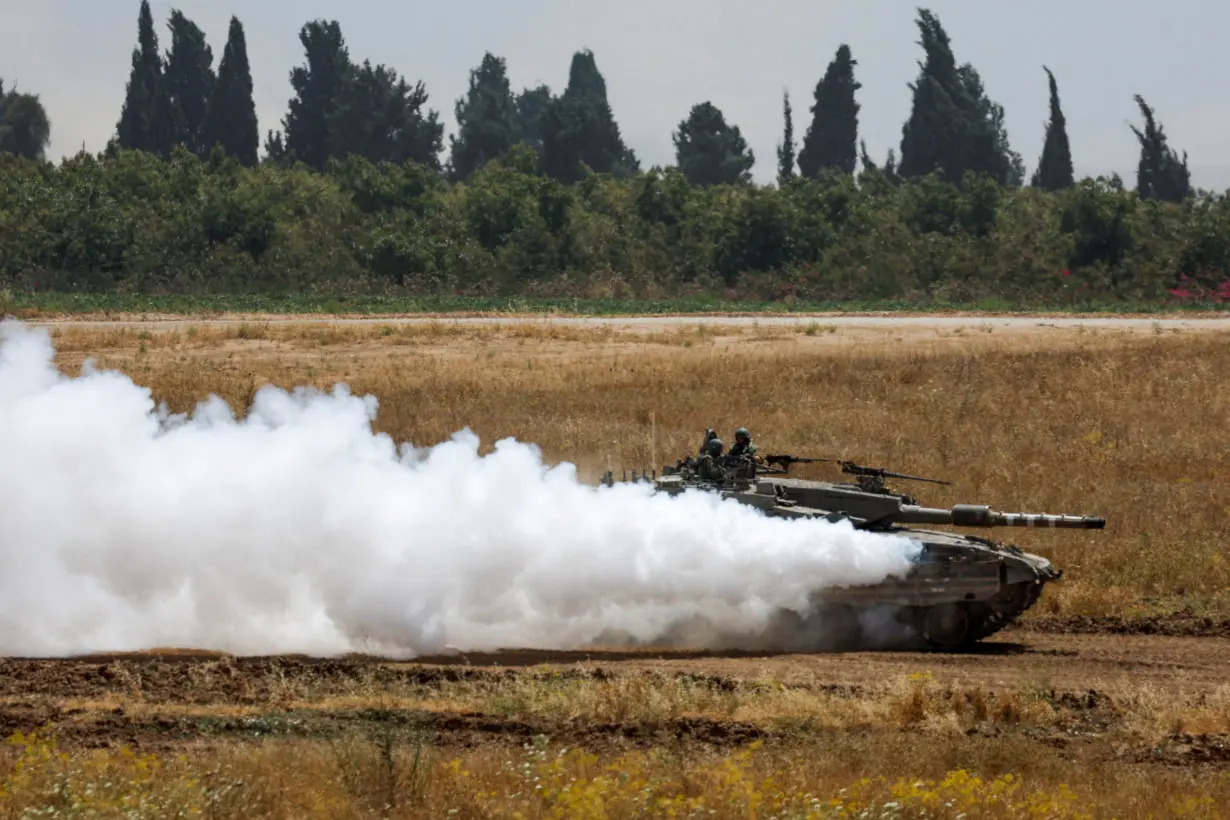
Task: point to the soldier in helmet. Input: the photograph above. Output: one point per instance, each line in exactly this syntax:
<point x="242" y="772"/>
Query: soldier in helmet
<point x="709" y="467"/>
<point x="743" y="447"/>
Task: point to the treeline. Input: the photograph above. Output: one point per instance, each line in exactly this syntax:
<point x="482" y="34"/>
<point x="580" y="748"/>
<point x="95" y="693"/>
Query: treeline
<point x="130" y="221"/>
<point x="541" y="196"/>
<point x="342" y="108"/>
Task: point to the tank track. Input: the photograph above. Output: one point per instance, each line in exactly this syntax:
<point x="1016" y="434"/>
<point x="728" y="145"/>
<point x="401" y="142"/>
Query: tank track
<point x="998" y="620"/>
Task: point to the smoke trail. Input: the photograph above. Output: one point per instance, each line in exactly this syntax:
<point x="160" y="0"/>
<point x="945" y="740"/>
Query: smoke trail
<point x="299" y="530"/>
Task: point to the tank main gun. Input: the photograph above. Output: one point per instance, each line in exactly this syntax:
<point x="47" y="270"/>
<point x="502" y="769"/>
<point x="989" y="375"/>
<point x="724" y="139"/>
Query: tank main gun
<point x="976" y="515"/>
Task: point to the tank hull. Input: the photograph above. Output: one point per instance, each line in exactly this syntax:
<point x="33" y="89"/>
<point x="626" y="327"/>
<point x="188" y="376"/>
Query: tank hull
<point x="962" y="589"/>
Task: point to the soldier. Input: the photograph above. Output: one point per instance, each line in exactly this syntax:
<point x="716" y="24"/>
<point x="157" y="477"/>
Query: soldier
<point x="709" y="468"/>
<point x="743" y="447"/>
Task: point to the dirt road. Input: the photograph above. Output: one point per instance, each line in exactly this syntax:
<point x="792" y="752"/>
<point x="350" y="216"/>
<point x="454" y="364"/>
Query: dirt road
<point x="1091" y="697"/>
<point x="1110" y="663"/>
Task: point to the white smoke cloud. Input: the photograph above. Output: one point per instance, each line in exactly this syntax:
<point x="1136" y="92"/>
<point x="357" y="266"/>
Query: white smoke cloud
<point x="299" y="530"/>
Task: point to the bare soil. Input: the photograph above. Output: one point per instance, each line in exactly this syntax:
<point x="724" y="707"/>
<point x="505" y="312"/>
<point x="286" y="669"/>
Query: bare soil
<point x="171" y="699"/>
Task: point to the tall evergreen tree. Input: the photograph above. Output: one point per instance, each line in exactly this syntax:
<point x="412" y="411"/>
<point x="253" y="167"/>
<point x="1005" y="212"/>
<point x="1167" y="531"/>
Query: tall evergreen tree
<point x="1054" y="171"/>
<point x="832" y="138"/>
<point x="953" y="127"/>
<point x="190" y="82"/>
<point x="532" y="106"/>
<point x="24" y="127"/>
<point x="145" y="122"/>
<point x="231" y="122"/>
<point x="487" y="120"/>
<point x="579" y="130"/>
<point x="380" y="117"/>
<point x="317" y="84"/>
<point x="785" y="149"/>
<point x="709" y="151"/>
<point x="992" y="154"/>
<point x="1160" y="173"/>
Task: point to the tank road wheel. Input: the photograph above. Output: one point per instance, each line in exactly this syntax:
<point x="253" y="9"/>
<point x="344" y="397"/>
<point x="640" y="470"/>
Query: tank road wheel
<point x="947" y="625"/>
<point x="1007" y="607"/>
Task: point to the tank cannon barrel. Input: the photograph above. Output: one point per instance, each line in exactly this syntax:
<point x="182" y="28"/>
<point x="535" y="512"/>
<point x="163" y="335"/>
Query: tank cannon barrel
<point x="974" y="515"/>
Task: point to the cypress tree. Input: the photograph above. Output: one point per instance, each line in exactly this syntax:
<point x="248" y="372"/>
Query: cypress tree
<point x="832" y="137"/>
<point x="231" y="122"/>
<point x="579" y="130"/>
<point x="785" y="150"/>
<point x="145" y="122"/>
<point x="532" y="106"/>
<point x="1160" y="173"/>
<point x="953" y="126"/>
<point x="1054" y="171"/>
<point x="190" y="82"/>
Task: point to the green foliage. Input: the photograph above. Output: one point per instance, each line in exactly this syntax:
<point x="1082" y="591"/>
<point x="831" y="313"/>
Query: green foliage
<point x="1054" y="172"/>
<point x="231" y="121"/>
<point x="341" y="108"/>
<point x="190" y="82"/>
<point x="1160" y="174"/>
<point x="318" y="85"/>
<point x="380" y="117"/>
<point x="531" y="108"/>
<point x="128" y="222"/>
<point x="145" y="121"/>
<point x="953" y="127"/>
<point x="24" y="127"/>
<point x="579" y="133"/>
<point x="785" y="149"/>
<point x="711" y="152"/>
<point x="487" y="118"/>
<point x="832" y="136"/>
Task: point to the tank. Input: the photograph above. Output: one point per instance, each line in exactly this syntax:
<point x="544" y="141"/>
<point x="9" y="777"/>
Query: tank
<point x="963" y="588"/>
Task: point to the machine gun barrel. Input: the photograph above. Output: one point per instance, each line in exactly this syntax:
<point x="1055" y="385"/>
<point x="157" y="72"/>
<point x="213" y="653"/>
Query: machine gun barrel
<point x="878" y="472"/>
<point x="786" y="460"/>
<point x="973" y="515"/>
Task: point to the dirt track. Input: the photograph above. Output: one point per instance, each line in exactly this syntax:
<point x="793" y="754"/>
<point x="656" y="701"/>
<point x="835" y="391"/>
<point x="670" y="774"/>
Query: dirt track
<point x="161" y="699"/>
<point x="1066" y="662"/>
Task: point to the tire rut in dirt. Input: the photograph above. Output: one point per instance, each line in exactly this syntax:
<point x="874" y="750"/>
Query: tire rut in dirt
<point x="1182" y="624"/>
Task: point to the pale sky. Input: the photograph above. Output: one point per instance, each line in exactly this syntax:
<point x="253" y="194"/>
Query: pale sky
<point x="660" y="57"/>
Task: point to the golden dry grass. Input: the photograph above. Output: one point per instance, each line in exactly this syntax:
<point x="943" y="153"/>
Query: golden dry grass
<point x="398" y="773"/>
<point x="1126" y="425"/>
<point x="991" y="754"/>
<point x="557" y="699"/>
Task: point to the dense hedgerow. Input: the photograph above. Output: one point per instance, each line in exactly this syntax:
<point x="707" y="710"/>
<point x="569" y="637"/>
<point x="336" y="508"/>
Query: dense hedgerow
<point x="128" y="221"/>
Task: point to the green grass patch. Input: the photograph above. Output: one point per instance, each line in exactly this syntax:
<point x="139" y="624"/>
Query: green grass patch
<point x="52" y="304"/>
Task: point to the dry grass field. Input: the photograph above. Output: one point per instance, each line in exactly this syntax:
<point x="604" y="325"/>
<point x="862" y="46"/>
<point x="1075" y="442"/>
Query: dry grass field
<point x="1110" y="700"/>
